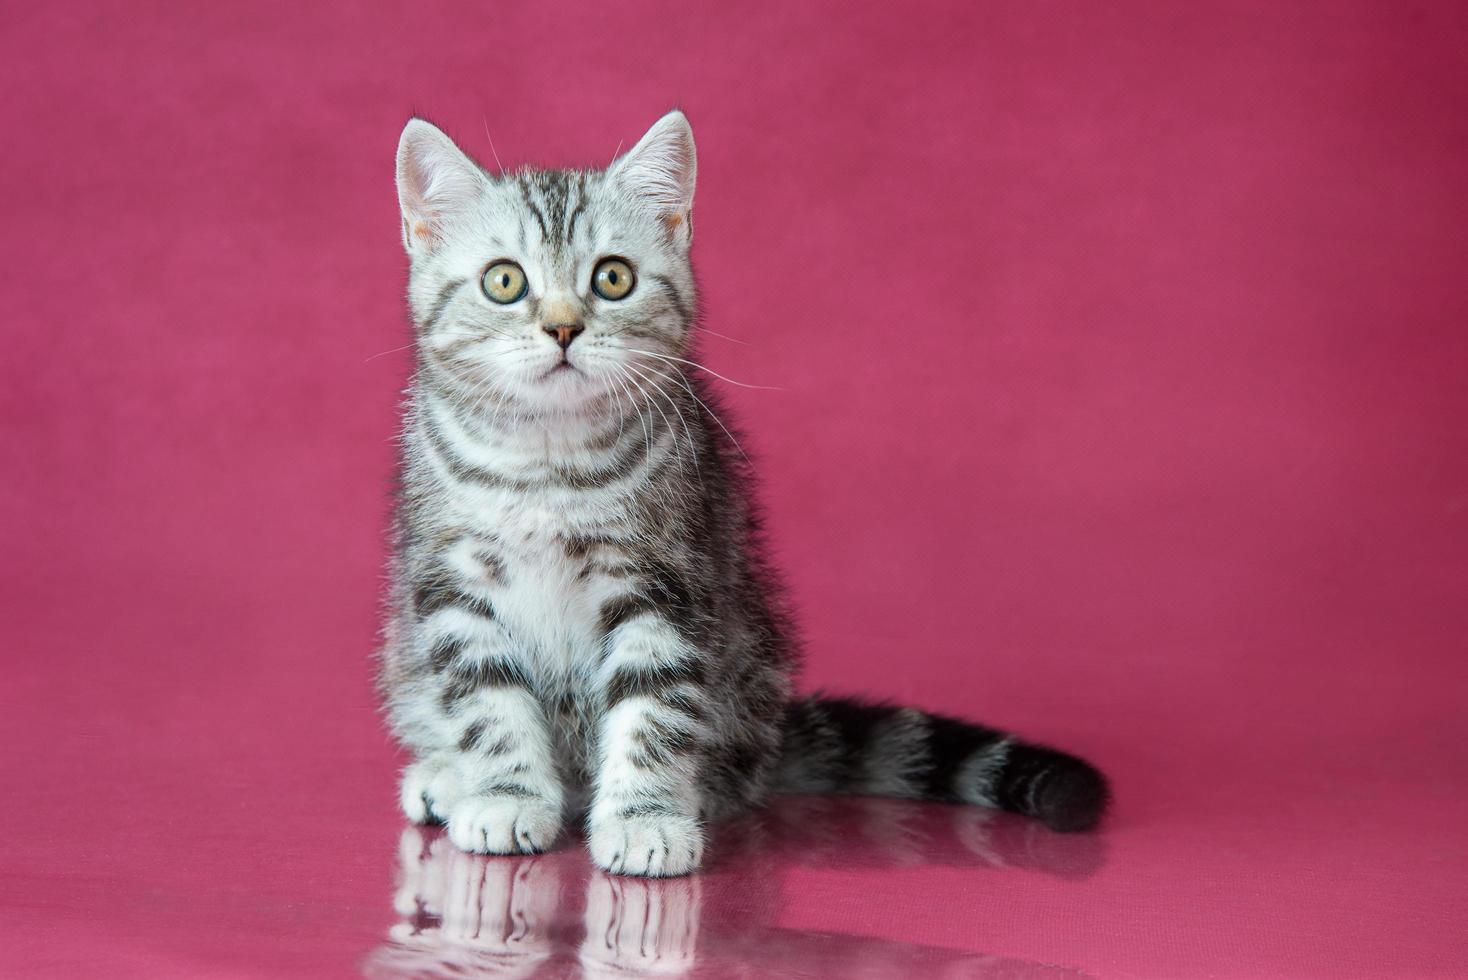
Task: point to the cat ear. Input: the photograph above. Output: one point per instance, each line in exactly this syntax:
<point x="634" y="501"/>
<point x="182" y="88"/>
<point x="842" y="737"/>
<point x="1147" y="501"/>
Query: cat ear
<point x="436" y="183"/>
<point x="660" y="171"/>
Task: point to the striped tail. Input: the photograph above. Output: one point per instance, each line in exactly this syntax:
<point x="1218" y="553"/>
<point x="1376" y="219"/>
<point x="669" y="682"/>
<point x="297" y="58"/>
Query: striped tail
<point x="839" y="745"/>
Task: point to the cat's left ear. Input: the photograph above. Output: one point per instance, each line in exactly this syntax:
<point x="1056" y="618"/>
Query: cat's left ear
<point x="660" y="172"/>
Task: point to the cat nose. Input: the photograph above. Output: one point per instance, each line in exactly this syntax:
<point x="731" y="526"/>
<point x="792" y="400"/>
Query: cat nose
<point x="563" y="332"/>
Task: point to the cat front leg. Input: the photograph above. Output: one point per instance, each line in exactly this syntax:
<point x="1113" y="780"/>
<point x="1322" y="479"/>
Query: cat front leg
<point x="498" y="787"/>
<point x="646" y="812"/>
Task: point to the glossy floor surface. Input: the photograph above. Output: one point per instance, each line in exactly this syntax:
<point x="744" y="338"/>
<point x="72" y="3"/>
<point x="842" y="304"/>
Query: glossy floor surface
<point x="1121" y="402"/>
<point x="166" y="817"/>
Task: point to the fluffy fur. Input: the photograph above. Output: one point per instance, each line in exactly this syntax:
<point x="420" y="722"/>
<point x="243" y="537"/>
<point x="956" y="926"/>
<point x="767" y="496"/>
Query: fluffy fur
<point x="581" y="619"/>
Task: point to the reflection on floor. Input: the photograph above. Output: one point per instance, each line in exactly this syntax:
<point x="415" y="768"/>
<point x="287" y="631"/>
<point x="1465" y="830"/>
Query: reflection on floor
<point x="553" y="915"/>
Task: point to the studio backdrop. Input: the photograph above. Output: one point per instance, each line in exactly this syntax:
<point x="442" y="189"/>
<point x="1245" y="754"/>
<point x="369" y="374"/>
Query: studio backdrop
<point x="1103" y="364"/>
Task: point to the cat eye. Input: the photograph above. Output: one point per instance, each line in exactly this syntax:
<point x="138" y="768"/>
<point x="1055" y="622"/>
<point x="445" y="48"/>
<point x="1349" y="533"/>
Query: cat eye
<point x="613" y="279"/>
<point x="504" y="282"/>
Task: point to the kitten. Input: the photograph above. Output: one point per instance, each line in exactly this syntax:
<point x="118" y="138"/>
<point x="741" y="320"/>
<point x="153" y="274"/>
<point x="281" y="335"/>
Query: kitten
<point x="581" y="619"/>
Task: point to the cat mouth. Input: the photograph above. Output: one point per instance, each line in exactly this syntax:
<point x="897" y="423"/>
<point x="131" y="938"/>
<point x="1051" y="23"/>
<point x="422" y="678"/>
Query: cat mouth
<point x="560" y="368"/>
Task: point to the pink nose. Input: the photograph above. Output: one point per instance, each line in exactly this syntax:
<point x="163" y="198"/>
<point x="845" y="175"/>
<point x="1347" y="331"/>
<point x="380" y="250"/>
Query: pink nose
<point x="564" y="332"/>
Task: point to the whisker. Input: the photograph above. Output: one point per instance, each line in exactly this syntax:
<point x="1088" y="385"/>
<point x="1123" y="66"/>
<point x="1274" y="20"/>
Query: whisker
<point x="712" y="414"/>
<point x="682" y="422"/>
<point x="617" y="401"/>
<point x="723" y="336"/>
<point x="668" y="490"/>
<point x="415" y="343"/>
<point x="387" y="352"/>
<point x="647" y="434"/>
<point x="684" y="360"/>
<point x="492" y="150"/>
<point x="653" y="390"/>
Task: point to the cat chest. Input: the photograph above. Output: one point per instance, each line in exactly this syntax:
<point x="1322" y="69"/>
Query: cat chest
<point x="546" y="569"/>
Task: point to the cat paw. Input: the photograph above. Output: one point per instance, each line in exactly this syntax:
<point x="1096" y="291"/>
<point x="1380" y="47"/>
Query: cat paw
<point x="648" y="845"/>
<point x="504" y="824"/>
<point x="428" y="790"/>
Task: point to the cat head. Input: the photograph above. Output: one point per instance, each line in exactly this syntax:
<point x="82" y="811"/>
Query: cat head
<point x="550" y="289"/>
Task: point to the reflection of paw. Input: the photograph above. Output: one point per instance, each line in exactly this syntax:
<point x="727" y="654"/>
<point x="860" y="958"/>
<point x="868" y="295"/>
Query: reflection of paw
<point x="428" y="790"/>
<point x="639" y="928"/>
<point x="504" y="824"/>
<point x="654" y="845"/>
<point x="462" y="915"/>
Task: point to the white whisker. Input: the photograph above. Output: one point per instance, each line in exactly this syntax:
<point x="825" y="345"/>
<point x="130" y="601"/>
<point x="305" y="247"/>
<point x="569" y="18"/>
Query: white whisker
<point x="684" y="360"/>
<point x="692" y="446"/>
<point x="679" y="377"/>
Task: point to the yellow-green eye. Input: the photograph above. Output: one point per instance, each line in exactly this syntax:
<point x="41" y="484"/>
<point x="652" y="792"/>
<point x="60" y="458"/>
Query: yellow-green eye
<point x="504" y="282"/>
<point x="613" y="279"/>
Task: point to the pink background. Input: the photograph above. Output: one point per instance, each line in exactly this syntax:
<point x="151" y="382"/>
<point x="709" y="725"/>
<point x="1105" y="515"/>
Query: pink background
<point x="1123" y="385"/>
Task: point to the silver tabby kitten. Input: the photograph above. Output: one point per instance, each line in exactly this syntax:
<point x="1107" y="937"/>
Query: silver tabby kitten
<point x="581" y="620"/>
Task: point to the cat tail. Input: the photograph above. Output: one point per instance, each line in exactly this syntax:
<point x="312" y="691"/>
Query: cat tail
<point x="845" y="746"/>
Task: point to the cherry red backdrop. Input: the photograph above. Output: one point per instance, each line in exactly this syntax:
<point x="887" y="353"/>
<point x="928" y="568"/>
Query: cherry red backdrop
<point x="1120" y="353"/>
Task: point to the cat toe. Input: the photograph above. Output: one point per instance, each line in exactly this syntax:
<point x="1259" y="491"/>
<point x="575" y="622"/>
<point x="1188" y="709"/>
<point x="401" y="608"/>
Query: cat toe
<point x="504" y="825"/>
<point x="427" y="791"/>
<point x="654" y="846"/>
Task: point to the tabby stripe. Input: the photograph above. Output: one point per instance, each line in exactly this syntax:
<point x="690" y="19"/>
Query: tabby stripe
<point x="642" y="759"/>
<point x="500" y="746"/>
<point x="1016" y="786"/>
<point x="616" y="470"/>
<point x="951" y="743"/>
<point x="658" y="732"/>
<point x="443" y="389"/>
<point x="674" y="295"/>
<point x="467" y="677"/>
<point x="556" y="192"/>
<point x="618" y="610"/>
<point x="444" y="652"/>
<point x="610" y="437"/>
<point x="470" y="739"/>
<point x="515" y="790"/>
<point x="441" y="303"/>
<point x="473" y="741"/>
<point x="609" y="569"/>
<point x="669" y="590"/>
<point x="664" y="592"/>
<point x="457" y="467"/>
<point x="494" y="566"/>
<point x="578" y="210"/>
<point x="979" y="777"/>
<point x="442" y="593"/>
<point x="579" y="546"/>
<point x="655" y="748"/>
<point x="530" y="203"/>
<point x="451" y="350"/>
<point x="681" y="701"/>
<point x="852" y="724"/>
<point x="652" y="682"/>
<point x="647" y="808"/>
<point x="571" y="479"/>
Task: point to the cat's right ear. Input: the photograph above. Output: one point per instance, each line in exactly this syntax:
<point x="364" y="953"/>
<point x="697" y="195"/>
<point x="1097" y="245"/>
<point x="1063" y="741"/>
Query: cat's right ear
<point x="436" y="184"/>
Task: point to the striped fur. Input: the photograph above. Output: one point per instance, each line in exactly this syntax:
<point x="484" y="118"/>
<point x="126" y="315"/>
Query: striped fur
<point x="582" y="619"/>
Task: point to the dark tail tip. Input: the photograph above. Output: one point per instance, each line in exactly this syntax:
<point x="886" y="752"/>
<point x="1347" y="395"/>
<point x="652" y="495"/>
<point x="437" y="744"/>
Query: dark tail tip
<point x="1071" y="796"/>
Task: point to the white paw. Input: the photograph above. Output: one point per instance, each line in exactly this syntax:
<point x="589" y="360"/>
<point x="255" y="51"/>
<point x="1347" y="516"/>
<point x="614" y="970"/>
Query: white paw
<point x="428" y="790"/>
<point x="504" y="824"/>
<point x="653" y="845"/>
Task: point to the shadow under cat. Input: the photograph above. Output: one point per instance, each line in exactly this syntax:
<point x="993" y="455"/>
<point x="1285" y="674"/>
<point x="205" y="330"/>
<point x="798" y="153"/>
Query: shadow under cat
<point x="553" y="915"/>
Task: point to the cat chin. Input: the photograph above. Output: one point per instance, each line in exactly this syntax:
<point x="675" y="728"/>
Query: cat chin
<point x="566" y="389"/>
